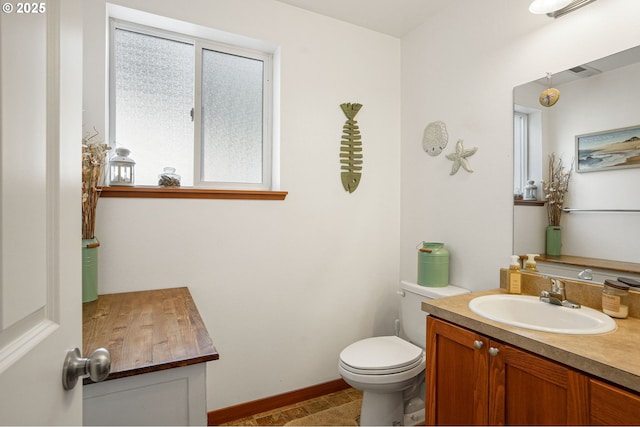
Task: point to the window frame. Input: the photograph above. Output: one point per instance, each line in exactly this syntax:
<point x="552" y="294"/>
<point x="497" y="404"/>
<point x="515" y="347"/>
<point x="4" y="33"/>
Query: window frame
<point x="199" y="44"/>
<point x="521" y="141"/>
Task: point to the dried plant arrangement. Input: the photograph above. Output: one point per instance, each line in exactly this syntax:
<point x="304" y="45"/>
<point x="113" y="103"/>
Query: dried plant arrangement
<point x="555" y="189"/>
<point x="94" y="158"/>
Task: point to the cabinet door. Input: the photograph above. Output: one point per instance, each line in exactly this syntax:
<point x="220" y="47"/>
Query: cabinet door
<point x="171" y="397"/>
<point x="457" y="375"/>
<point x="612" y="405"/>
<point x="528" y="389"/>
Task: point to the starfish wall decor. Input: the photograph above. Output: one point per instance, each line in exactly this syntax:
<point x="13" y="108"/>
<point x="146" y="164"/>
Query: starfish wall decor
<point x="459" y="158"/>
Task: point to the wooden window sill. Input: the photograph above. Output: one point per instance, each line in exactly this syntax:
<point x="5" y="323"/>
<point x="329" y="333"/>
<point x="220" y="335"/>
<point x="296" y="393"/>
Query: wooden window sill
<point x="190" y="193"/>
<point x="529" y="202"/>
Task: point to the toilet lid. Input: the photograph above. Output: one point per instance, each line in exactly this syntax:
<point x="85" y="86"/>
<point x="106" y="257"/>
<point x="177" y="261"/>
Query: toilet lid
<point x="381" y="354"/>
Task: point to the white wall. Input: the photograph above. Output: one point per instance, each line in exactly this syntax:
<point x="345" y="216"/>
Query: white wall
<point x="282" y="286"/>
<point x="461" y="67"/>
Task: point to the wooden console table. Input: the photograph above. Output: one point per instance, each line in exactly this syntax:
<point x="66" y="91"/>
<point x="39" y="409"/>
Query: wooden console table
<point x="159" y="347"/>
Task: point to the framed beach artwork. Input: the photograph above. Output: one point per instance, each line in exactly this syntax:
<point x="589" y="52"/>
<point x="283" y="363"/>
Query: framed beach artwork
<point x="607" y="150"/>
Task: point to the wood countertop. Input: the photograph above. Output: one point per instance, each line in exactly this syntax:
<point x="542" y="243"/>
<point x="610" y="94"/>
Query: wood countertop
<point x="610" y="356"/>
<point x="146" y="331"/>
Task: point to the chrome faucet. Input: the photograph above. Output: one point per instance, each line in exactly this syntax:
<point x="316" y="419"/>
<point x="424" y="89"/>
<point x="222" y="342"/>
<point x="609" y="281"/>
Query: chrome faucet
<point x="557" y="295"/>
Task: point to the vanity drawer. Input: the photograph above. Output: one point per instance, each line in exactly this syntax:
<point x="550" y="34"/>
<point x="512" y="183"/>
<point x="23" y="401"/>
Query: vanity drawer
<point x="611" y="405"/>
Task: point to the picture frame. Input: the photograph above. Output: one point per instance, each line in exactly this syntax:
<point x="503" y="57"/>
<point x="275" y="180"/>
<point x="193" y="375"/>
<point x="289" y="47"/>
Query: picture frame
<point x="608" y="150"/>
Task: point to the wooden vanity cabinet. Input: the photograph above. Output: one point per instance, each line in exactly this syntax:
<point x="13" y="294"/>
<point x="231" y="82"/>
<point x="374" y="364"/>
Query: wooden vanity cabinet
<point x="457" y="375"/>
<point x="474" y="380"/>
<point x="611" y="405"/>
<point x="528" y="389"/>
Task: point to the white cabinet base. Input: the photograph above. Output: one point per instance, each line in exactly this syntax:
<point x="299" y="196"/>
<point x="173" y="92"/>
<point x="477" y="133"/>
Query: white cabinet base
<point x="174" y="396"/>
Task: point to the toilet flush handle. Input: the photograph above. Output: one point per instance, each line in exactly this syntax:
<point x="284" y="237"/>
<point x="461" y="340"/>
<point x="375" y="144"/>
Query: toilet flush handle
<point x="401" y="293"/>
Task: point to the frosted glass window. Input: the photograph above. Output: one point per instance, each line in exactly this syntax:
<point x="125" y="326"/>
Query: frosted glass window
<point x="201" y="107"/>
<point x="232" y="119"/>
<point x="154" y="85"/>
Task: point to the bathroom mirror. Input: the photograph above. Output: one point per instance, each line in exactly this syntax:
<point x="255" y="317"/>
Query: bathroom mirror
<point x="600" y="96"/>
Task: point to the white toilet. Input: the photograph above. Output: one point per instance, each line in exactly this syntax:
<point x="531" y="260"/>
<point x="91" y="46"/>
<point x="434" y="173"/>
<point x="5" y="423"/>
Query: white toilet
<point x="389" y="370"/>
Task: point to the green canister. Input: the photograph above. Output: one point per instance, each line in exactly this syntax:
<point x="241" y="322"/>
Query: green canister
<point x="433" y="265"/>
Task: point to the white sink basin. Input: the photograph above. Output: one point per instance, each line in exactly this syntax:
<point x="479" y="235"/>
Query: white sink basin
<point x="529" y="312"/>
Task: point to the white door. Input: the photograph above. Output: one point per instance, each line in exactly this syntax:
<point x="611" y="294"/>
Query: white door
<point x="40" y="225"/>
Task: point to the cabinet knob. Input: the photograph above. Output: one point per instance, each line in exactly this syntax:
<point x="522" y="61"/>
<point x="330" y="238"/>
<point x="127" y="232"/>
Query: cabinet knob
<point x="478" y="344"/>
<point x="493" y="351"/>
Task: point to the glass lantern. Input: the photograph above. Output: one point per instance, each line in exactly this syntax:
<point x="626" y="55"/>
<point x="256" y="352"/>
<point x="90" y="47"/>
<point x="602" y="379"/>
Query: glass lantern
<point x="530" y="191"/>
<point x="121" y="168"/>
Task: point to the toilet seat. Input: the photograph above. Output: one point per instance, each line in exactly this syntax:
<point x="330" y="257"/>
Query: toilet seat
<point x="381" y="356"/>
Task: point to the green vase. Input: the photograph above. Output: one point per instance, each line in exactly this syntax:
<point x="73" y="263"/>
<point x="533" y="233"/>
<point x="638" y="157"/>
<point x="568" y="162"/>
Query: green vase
<point x="554" y="240"/>
<point x="90" y="269"/>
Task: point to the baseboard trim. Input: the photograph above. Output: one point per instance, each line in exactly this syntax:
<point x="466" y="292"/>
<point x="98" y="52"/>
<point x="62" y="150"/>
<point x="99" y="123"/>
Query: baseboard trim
<point x="247" y="409"/>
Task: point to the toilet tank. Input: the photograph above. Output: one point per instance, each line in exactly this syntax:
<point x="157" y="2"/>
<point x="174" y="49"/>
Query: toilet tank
<point x="413" y="319"/>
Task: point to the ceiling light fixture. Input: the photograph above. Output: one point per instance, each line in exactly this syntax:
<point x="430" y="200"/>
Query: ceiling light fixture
<point x="556" y="8"/>
<point x="547" y="6"/>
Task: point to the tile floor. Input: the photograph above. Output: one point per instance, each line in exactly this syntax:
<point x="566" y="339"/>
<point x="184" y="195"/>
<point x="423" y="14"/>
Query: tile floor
<point x="281" y="416"/>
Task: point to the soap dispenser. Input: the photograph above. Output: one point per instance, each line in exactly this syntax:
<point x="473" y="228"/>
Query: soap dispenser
<point x="530" y="263"/>
<point x="513" y="276"/>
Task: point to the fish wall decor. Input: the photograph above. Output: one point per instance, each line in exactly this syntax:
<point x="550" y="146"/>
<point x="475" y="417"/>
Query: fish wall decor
<point x="351" y="148"/>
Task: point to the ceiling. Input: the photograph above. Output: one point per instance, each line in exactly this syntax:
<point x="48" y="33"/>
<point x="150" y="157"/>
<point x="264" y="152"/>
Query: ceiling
<point x="393" y="17"/>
